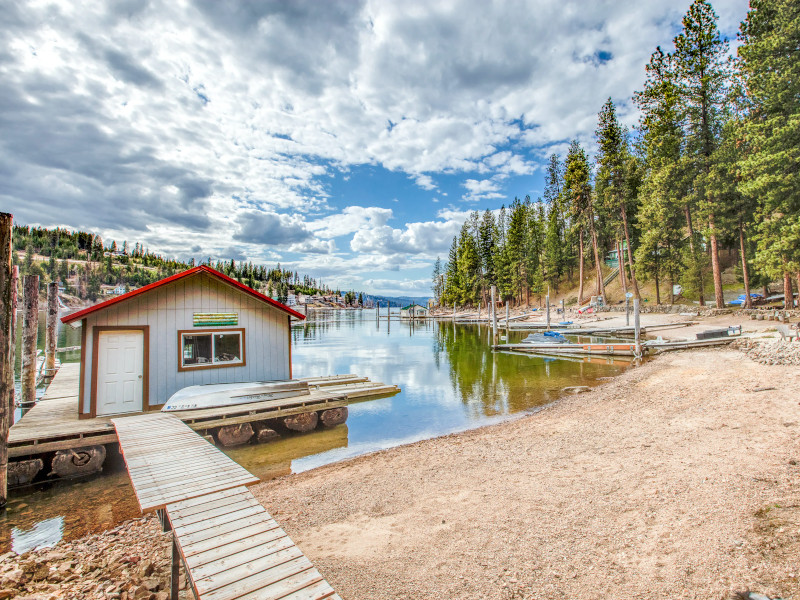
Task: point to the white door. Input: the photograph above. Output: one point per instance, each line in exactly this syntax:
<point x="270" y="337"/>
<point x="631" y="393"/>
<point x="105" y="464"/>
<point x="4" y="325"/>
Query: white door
<point x="120" y="371"/>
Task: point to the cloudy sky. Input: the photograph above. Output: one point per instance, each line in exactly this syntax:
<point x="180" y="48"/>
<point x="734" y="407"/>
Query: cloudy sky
<point x="346" y="140"/>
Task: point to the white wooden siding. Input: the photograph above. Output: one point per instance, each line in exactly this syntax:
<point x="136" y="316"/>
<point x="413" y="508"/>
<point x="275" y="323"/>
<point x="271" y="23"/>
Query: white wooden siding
<point x="170" y="308"/>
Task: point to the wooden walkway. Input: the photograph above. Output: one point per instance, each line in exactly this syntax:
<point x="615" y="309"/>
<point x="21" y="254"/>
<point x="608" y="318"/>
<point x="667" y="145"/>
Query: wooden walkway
<point x="230" y="546"/>
<point x="53" y="424"/>
<point x="168" y="462"/>
<point x="235" y="549"/>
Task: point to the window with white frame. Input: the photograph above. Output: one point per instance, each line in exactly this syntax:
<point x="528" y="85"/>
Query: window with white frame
<point x="212" y="348"/>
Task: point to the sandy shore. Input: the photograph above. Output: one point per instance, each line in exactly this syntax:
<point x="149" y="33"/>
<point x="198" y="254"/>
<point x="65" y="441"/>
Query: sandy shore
<point x="677" y="479"/>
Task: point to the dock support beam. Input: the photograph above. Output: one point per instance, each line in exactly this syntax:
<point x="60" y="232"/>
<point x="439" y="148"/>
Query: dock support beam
<point x="494" y="315"/>
<point x="30" y="327"/>
<point x="547" y="305"/>
<point x="51" y="333"/>
<point x="637" y="327"/>
<point x="13" y="360"/>
<point x="6" y="368"/>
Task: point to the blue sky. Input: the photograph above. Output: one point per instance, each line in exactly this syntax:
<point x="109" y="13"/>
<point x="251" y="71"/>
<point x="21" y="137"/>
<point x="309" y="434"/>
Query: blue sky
<point x="346" y="140"/>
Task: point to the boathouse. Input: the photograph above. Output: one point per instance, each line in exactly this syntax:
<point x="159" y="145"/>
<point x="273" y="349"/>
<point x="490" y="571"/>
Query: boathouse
<point x="413" y="311"/>
<point x="196" y="327"/>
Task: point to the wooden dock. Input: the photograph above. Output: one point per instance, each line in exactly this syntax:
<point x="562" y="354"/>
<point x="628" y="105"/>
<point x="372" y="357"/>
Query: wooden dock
<point x="230" y="546"/>
<point x="53" y="424"/>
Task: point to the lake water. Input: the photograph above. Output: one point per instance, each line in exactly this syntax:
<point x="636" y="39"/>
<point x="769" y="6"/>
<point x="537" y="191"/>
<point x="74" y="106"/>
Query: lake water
<point x="450" y="381"/>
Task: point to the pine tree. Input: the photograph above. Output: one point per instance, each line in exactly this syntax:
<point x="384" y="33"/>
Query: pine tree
<point x="768" y="59"/>
<point x="578" y="194"/>
<point x="612" y="174"/>
<point x="703" y="70"/>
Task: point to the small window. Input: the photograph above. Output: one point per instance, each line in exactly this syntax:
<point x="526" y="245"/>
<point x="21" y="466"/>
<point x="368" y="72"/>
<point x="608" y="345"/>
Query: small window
<point x="210" y="349"/>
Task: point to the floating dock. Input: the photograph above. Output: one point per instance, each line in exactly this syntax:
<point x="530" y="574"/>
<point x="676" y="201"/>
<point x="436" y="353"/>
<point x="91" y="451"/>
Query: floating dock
<point x="230" y="546"/>
<point x="53" y="424"/>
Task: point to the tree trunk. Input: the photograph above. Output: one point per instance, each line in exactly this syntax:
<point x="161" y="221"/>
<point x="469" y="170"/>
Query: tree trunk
<point x="788" y="299"/>
<point x="30" y="330"/>
<point x="601" y="289"/>
<point x="698" y="272"/>
<point x="51" y="337"/>
<point x="658" y="291"/>
<point x="748" y="302"/>
<point x="630" y="253"/>
<point x="6" y="368"/>
<point x="715" y="266"/>
<point x="580" y="265"/>
<point x="620" y="265"/>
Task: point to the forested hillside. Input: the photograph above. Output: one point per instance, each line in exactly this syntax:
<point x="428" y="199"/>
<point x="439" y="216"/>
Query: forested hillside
<point x="83" y="263"/>
<point x="713" y="164"/>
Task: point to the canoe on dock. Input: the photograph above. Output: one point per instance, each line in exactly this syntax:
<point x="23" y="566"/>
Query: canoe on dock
<point x="213" y="395"/>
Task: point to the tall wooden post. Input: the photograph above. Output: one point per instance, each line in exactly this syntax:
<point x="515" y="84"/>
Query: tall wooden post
<point x="637" y="327"/>
<point x="494" y="315"/>
<point x="51" y="338"/>
<point x="6" y="222"/>
<point x="563" y="312"/>
<point x="388" y="310"/>
<point x="479" y="310"/>
<point x="454" y="312"/>
<point x="627" y="311"/>
<point x="30" y="326"/>
<point x="547" y="306"/>
<point x="13" y="343"/>
<point x="506" y="321"/>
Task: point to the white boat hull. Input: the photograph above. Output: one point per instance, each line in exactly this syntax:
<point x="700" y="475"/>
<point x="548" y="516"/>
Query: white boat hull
<point x="216" y="395"/>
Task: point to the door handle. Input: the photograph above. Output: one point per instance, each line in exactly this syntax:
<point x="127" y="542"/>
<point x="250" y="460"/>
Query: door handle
<point x="140" y="376"/>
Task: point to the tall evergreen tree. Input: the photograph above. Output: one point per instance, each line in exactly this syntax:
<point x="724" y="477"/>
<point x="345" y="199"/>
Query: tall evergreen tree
<point x="703" y="68"/>
<point x="770" y="63"/>
<point x="611" y="181"/>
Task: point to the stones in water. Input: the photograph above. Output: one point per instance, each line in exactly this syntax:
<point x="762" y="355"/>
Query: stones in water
<point x="264" y="432"/>
<point x="576" y="389"/>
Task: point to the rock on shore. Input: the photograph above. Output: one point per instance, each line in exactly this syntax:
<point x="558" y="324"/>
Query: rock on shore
<point x="770" y="352"/>
<point x="130" y="562"/>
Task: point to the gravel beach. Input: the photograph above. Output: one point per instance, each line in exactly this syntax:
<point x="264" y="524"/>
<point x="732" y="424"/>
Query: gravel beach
<point x="677" y="479"/>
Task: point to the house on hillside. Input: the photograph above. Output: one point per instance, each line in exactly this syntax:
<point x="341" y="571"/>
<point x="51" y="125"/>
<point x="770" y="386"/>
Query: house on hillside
<point x="413" y="311"/>
<point x="196" y="327"/>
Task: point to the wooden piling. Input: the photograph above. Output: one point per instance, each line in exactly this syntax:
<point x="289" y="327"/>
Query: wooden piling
<point x="637" y="327"/>
<point x="30" y="325"/>
<point x="13" y="343"/>
<point x="627" y="311"/>
<point x="51" y="338"/>
<point x="563" y="312"/>
<point x="507" y="309"/>
<point x="547" y="306"/>
<point x="6" y="222"/>
<point x="494" y="315"/>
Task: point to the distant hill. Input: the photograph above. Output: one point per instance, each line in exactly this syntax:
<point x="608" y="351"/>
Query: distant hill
<point x="399" y="300"/>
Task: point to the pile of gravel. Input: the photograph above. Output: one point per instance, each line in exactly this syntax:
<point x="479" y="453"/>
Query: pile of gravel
<point x="770" y="352"/>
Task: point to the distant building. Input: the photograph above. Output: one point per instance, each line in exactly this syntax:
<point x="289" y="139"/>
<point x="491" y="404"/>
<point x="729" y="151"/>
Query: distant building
<point x="413" y="311"/>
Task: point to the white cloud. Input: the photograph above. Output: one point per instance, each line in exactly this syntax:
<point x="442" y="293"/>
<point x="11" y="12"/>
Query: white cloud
<point x="350" y="220"/>
<point x="425" y="182"/>
<point x="481" y="190"/>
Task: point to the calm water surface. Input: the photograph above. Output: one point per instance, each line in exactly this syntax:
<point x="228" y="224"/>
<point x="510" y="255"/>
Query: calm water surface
<point x="449" y="378"/>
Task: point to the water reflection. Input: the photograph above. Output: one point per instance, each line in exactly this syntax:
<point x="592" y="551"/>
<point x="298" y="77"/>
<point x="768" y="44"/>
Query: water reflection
<point x="450" y="381"/>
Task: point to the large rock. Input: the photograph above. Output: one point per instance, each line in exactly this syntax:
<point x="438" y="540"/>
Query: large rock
<point x="78" y="461"/>
<point x="302" y="422"/>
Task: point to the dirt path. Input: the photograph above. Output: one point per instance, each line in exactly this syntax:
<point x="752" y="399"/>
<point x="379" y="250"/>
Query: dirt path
<point x="674" y="480"/>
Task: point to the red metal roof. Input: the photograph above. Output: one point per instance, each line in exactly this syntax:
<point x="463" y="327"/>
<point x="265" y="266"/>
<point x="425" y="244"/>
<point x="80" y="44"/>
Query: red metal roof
<point x="188" y="273"/>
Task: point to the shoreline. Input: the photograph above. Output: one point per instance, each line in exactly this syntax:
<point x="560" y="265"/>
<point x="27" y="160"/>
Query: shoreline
<point x="498" y="512"/>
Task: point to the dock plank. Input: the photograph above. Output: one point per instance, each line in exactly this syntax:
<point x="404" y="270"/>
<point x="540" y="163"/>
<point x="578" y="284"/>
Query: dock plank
<point x="248" y="557"/>
<point x="176" y="451"/>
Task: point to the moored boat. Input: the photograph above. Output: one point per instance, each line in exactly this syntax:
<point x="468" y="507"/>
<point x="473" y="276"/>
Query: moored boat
<point x="215" y="395"/>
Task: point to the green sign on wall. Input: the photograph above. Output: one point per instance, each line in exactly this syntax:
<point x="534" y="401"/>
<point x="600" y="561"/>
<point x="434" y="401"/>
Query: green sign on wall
<point x="208" y="319"/>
